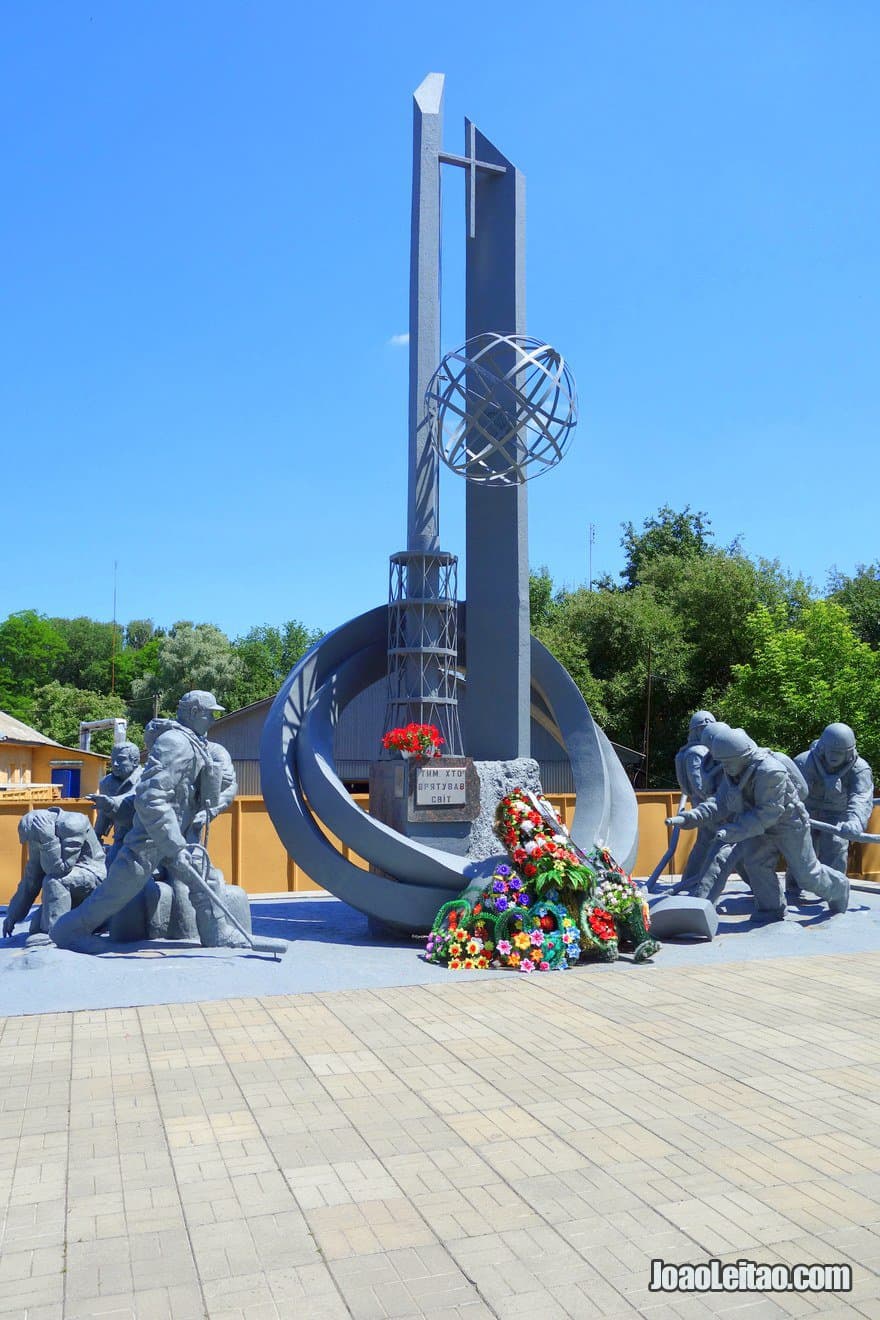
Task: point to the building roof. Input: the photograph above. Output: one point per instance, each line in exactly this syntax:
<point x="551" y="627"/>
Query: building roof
<point x="13" y="730"/>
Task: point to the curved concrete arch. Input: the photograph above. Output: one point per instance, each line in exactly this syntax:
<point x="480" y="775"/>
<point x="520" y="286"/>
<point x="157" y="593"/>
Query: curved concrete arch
<point x="301" y="787"/>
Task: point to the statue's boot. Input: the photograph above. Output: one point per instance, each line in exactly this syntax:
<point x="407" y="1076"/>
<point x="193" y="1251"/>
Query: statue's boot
<point x="216" y="931"/>
<point x="796" y="846"/>
<point x="833" y="887"/>
<point x="56" y="901"/>
<point x="793" y="891"/>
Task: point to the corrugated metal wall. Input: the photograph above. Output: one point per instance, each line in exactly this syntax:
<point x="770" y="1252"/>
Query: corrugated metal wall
<point x="357" y="738"/>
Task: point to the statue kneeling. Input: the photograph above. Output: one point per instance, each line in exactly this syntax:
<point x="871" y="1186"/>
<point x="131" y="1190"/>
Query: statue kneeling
<point x="757" y="805"/>
<point x="163" y="911"/>
<point x="65" y="866"/>
<point x="181" y="782"/>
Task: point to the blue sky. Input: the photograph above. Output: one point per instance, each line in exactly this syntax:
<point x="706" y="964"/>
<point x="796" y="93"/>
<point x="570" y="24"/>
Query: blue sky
<point x="206" y="260"/>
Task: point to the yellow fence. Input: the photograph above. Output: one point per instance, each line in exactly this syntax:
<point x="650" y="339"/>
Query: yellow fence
<point x="248" y="851"/>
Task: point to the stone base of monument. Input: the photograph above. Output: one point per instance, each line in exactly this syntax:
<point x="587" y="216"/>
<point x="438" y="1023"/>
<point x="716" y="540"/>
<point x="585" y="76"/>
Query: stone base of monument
<point x="163" y="911"/>
<point x="448" y="802"/>
<point x="680" y="914"/>
<point x="434" y="800"/>
<point x="497" y="779"/>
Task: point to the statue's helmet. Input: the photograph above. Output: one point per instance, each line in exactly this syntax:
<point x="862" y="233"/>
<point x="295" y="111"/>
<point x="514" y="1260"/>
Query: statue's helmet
<point x="836" y="746"/>
<point x="124" y="757"/>
<point x="733" y="748"/>
<point x="699" y="720"/>
<point x="197" y="702"/>
<point x="711" y="732"/>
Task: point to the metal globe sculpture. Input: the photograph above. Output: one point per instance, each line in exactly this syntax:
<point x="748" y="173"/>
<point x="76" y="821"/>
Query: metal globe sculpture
<point x="502" y="408"/>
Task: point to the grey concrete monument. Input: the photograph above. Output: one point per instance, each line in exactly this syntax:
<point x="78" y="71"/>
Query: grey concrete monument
<point x="181" y="787"/>
<point x="758" y="807"/>
<point x="65" y="866"/>
<point x="498" y="410"/>
<point x="115" y="797"/>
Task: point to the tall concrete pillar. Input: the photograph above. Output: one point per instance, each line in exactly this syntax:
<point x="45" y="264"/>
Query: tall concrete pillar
<point x="497" y="703"/>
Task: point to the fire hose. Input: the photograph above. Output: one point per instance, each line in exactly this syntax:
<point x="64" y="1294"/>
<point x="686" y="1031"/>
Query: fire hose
<point x="823" y="826"/>
<point x="670" y="851"/>
<point x="198" y="867"/>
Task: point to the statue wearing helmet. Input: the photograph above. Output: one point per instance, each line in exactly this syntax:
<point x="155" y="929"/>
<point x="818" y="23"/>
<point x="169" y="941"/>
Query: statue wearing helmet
<point x="758" y="806"/>
<point x="181" y="784"/>
<point x="840" y="791"/>
<point x="698" y="776"/>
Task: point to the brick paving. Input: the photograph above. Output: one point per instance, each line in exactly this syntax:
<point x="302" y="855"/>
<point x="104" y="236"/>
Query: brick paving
<point x="505" y="1147"/>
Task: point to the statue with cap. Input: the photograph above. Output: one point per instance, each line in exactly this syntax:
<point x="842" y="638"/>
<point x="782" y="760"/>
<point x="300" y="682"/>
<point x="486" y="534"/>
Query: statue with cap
<point x="758" y="805"/>
<point x="182" y="783"/>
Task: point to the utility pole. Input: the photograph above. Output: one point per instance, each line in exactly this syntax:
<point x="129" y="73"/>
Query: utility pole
<point x="591" y="540"/>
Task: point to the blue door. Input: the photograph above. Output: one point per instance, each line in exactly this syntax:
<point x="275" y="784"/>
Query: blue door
<point x="69" y="781"/>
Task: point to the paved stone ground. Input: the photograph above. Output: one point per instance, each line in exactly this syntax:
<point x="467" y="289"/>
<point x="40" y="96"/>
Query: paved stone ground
<point x="504" y="1147"/>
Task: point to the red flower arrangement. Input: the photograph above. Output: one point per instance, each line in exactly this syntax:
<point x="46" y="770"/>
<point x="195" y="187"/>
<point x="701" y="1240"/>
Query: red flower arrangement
<point x="602" y="924"/>
<point x="414" y="740"/>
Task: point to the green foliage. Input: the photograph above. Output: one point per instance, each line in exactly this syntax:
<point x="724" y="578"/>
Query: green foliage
<point x="31" y="651"/>
<point x="681" y="535"/>
<point x="86" y="662"/>
<point x="687" y="615"/>
<point x="267" y="655"/>
<point x="804" y="675"/>
<point x="540" y="597"/>
<point x="138" y="632"/>
<point x="713" y="627"/>
<point x="711" y="595"/>
<point x="190" y="656"/>
<point x="860" y="597"/>
<point x="135" y="663"/>
<point x="57" y="709"/>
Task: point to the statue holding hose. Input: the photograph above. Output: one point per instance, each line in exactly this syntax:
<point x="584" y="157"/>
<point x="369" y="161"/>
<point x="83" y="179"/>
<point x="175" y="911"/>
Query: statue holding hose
<point x="181" y="788"/>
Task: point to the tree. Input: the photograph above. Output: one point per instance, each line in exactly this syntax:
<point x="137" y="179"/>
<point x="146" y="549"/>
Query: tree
<point x="135" y="662"/>
<point x="31" y="650"/>
<point x="58" y="709"/>
<point x="87" y="661"/>
<point x="682" y="535"/>
<point x="607" y="640"/>
<point x="712" y="594"/>
<point x="190" y="656"/>
<point x="540" y="597"/>
<point x="138" y="632"/>
<point x="267" y="654"/>
<point x="804" y="675"/>
<point x="860" y="597"/>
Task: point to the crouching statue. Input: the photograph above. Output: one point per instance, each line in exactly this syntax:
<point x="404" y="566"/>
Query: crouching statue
<point x="757" y="806"/>
<point x="65" y="866"/>
<point x="185" y="782"/>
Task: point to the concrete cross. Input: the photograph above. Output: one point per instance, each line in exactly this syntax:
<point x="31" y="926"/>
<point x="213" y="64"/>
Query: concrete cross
<point x="471" y="164"/>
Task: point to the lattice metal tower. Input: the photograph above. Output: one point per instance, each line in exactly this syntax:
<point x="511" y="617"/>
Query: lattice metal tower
<point x="422" y="598"/>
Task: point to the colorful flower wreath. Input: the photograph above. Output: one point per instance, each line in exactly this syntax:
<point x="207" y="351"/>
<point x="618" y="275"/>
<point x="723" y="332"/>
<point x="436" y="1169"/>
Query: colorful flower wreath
<point x="575" y="905"/>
